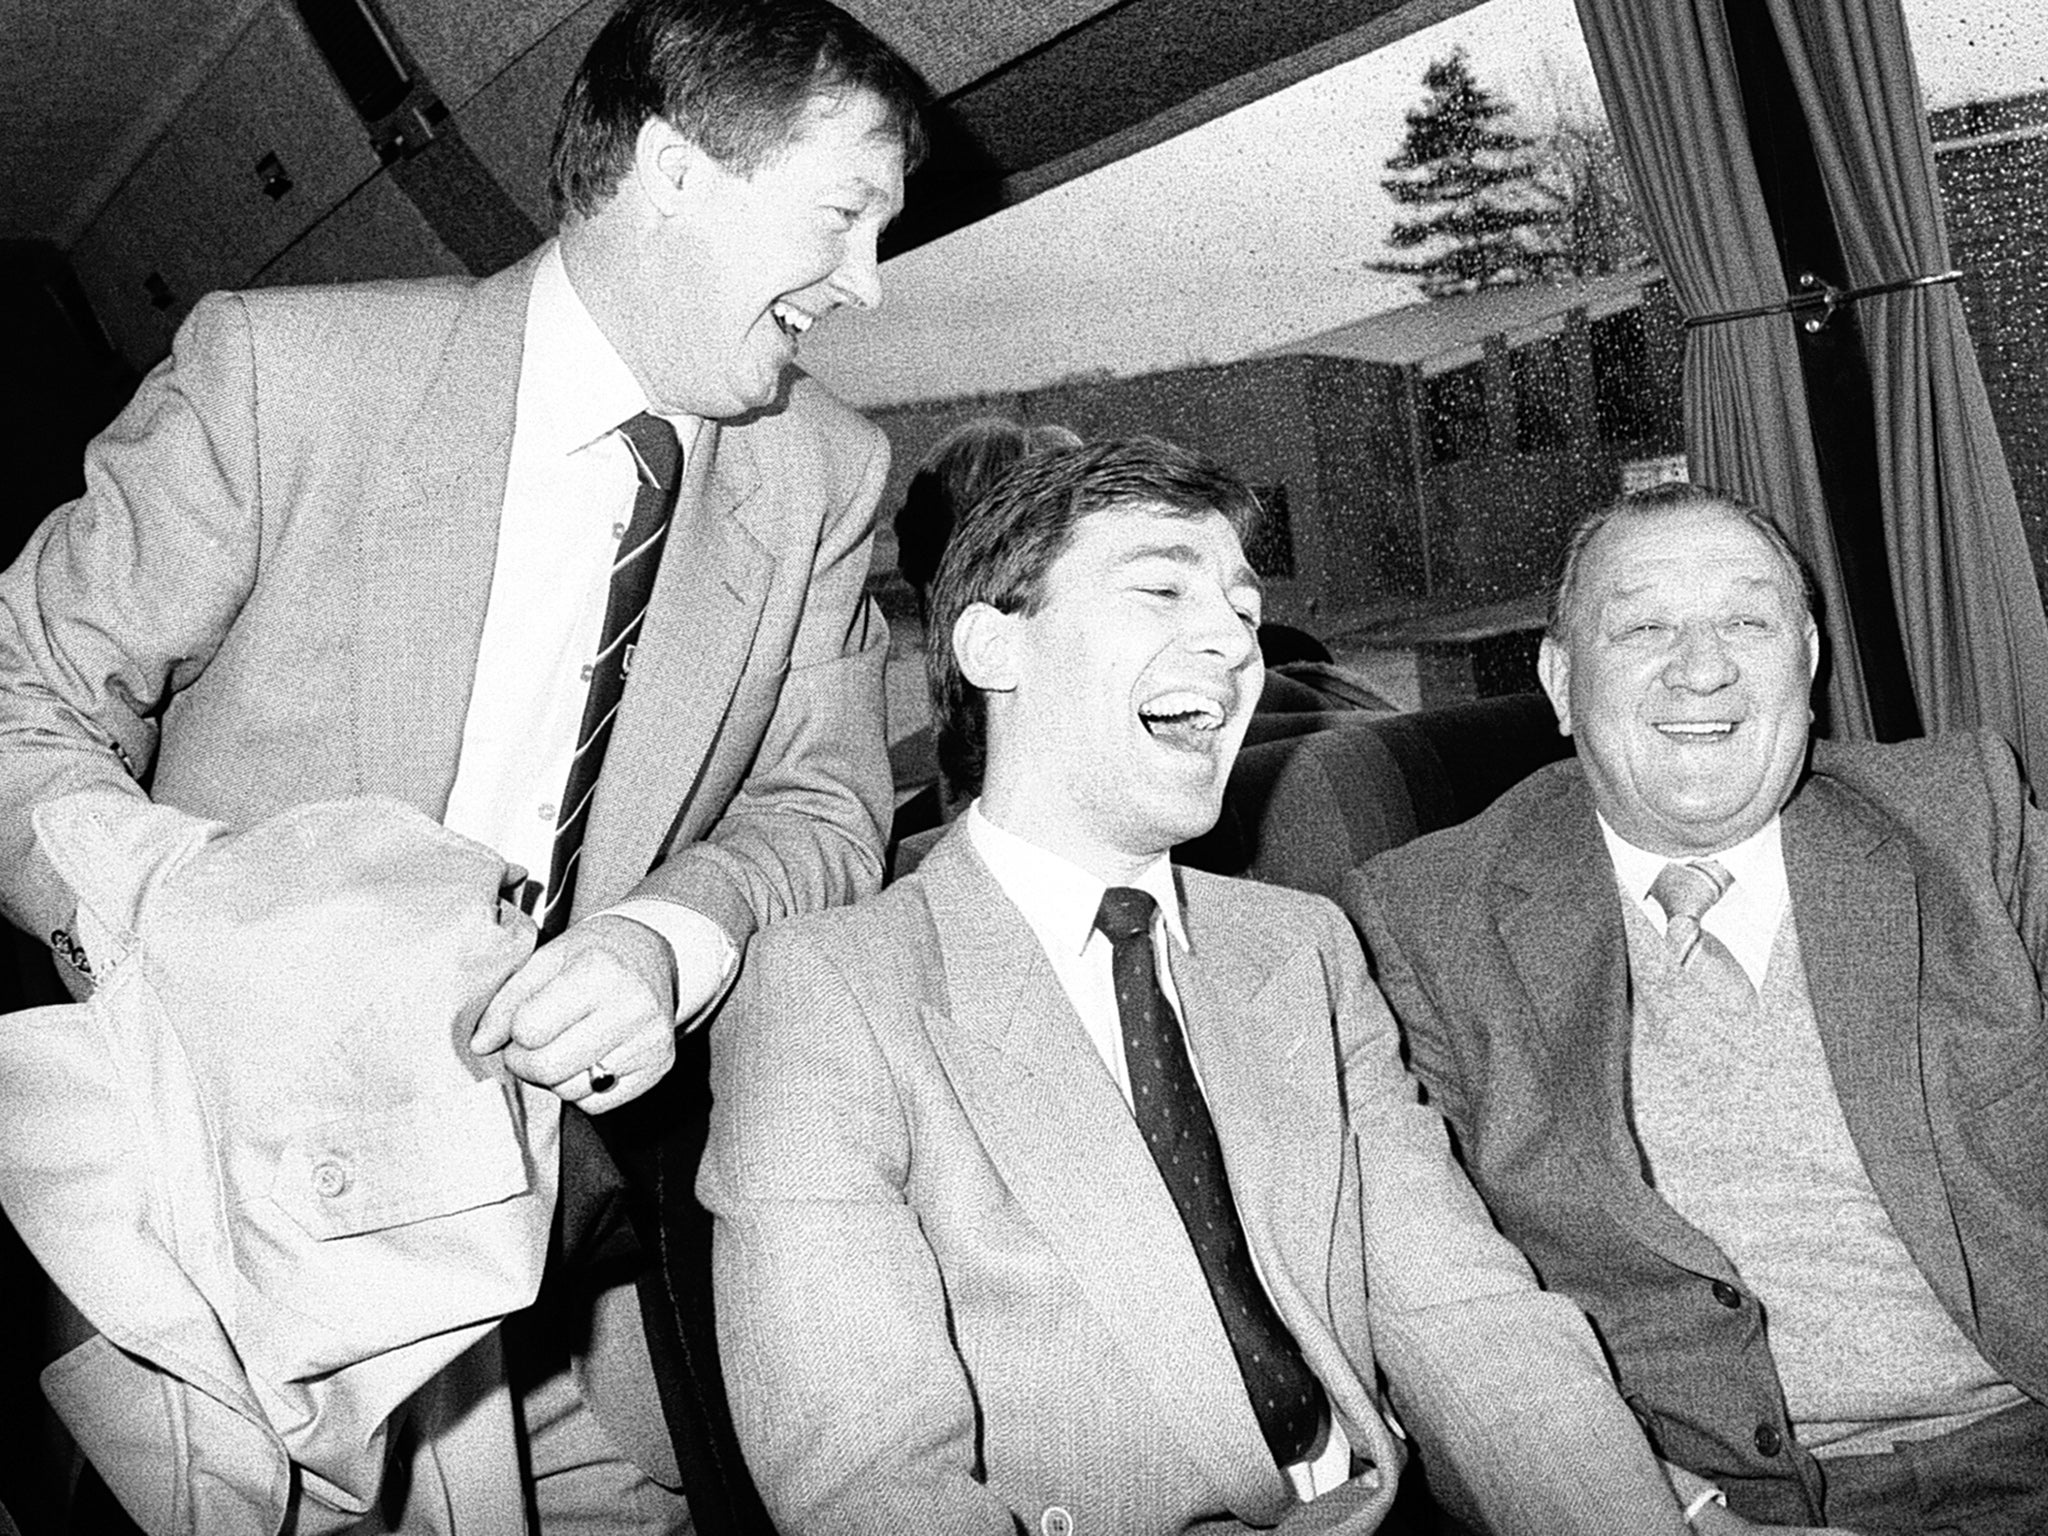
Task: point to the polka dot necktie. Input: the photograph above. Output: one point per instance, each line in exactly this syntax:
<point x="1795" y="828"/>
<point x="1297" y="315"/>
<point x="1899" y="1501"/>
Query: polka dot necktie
<point x="632" y="585"/>
<point x="1685" y="890"/>
<point x="1174" y="1119"/>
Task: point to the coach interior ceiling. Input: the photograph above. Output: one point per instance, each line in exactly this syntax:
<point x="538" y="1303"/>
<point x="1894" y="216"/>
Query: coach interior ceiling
<point x="175" y="146"/>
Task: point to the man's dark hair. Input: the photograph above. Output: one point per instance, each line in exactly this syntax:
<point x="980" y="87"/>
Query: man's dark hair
<point x="734" y="76"/>
<point x="1672" y="496"/>
<point x="960" y="469"/>
<point x="1007" y="543"/>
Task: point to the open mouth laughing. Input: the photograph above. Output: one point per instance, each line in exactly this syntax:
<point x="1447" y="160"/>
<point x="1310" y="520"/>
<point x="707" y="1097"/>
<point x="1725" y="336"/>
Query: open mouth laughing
<point x="792" y="321"/>
<point x="1185" y="719"/>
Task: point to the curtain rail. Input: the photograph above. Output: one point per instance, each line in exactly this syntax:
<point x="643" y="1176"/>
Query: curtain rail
<point x="1824" y="297"/>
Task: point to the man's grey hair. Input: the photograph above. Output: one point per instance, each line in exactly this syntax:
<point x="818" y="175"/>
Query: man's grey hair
<point x="1673" y="496"/>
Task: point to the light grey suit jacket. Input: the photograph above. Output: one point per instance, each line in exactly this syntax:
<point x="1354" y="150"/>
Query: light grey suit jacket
<point x="954" y="1295"/>
<point x="273" y="590"/>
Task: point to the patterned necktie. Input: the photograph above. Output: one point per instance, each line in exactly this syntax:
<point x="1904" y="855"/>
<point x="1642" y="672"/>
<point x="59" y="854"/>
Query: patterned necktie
<point x="1174" y="1118"/>
<point x="639" y="557"/>
<point x="1685" y="891"/>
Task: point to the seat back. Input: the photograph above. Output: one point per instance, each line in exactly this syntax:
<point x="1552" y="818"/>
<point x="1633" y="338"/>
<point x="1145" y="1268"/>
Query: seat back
<point x="1304" y="810"/>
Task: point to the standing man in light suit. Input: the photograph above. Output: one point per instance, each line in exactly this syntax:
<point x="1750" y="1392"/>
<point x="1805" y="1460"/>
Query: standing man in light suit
<point x="408" y="539"/>
<point x="1057" y="1190"/>
<point x="1741" y="1037"/>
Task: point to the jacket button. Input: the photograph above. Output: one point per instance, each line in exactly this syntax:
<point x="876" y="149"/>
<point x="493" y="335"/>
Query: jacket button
<point x="1726" y="1294"/>
<point x="1056" y="1521"/>
<point x="1768" y="1441"/>
<point x="330" y="1179"/>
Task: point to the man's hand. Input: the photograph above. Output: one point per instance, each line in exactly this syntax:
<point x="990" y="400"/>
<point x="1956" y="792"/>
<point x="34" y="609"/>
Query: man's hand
<point x="602" y="995"/>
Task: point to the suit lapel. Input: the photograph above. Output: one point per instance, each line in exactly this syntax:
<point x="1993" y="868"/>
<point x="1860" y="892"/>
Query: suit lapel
<point x="699" y="630"/>
<point x="1857" y="905"/>
<point x="1561" y="920"/>
<point x="1258" y="1023"/>
<point x="1052" y="1121"/>
<point x="429" y="546"/>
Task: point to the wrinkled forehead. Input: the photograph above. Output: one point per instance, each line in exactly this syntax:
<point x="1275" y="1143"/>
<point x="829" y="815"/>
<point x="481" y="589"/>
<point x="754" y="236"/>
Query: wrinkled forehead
<point x="1687" y="548"/>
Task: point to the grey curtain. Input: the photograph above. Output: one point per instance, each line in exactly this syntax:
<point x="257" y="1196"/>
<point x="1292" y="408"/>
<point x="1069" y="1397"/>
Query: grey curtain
<point x="1667" y="74"/>
<point x="1969" y="609"/>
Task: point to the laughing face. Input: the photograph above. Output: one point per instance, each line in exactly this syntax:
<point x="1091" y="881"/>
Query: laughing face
<point x="729" y="270"/>
<point x="1684" y="673"/>
<point x="1116" y="710"/>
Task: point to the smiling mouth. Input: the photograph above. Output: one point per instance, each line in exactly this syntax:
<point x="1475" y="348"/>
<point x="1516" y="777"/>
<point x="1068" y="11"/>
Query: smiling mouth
<point x="1183" y="719"/>
<point x="1697" y="730"/>
<point x="793" y="322"/>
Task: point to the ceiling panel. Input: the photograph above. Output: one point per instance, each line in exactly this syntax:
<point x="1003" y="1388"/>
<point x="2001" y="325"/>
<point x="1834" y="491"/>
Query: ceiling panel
<point x="955" y="44"/>
<point x="1029" y="91"/>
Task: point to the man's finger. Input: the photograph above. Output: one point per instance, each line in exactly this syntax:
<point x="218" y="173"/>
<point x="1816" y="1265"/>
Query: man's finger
<point x="494" y="1030"/>
<point x="598" y="1025"/>
<point x="563" y="1003"/>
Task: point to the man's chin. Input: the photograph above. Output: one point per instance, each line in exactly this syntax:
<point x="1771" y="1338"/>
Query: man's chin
<point x="1190" y="819"/>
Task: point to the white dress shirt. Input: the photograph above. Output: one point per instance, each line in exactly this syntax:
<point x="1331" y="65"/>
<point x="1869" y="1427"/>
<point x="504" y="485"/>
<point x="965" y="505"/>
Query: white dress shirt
<point x="1747" y="916"/>
<point x="1059" y="900"/>
<point x="569" y="492"/>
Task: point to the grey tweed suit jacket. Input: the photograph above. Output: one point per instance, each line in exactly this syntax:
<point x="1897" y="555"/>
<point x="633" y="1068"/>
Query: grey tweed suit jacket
<point x="1919" y="881"/>
<point x="954" y="1295"/>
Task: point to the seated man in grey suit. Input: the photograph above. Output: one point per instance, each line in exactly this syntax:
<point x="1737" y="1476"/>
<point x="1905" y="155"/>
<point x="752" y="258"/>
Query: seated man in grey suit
<point x="1743" y="1043"/>
<point x="1057" y="1190"/>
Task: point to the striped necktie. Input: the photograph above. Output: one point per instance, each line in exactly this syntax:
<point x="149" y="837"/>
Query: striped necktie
<point x="632" y="584"/>
<point x="1685" y="891"/>
<point x="1174" y="1118"/>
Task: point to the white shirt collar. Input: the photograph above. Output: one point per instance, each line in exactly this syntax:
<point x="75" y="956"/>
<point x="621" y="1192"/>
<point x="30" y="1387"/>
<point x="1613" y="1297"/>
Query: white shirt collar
<point x="573" y="385"/>
<point x="1059" y="899"/>
<point x="1749" y="861"/>
<point x="1747" y="918"/>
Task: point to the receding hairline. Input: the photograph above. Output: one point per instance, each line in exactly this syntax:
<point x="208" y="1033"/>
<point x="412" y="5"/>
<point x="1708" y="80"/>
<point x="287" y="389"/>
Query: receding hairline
<point x="1572" y="590"/>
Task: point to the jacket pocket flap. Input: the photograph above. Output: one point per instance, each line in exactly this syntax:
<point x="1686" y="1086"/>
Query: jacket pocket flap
<point x="433" y="1157"/>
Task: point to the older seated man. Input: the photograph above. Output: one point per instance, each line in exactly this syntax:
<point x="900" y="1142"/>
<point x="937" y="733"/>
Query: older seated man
<point x="1742" y="1042"/>
<point x="1056" y="1190"/>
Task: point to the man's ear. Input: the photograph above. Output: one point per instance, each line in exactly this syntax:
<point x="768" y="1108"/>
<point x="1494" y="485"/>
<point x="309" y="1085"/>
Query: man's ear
<point x="1554" y="671"/>
<point x="985" y="646"/>
<point x="667" y="167"/>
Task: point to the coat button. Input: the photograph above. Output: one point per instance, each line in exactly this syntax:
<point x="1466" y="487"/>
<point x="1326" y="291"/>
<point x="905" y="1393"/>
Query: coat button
<point x="1726" y="1294"/>
<point x="330" y="1179"/>
<point x="1056" y="1521"/>
<point x="1768" y="1441"/>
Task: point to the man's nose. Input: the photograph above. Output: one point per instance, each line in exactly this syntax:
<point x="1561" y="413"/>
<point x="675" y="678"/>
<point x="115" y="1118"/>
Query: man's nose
<point x="1224" y="631"/>
<point x="1702" y="661"/>
<point x="858" y="279"/>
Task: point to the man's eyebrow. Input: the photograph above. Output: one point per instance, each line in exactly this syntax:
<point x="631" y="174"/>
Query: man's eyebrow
<point x="1181" y="553"/>
<point x="1176" y="550"/>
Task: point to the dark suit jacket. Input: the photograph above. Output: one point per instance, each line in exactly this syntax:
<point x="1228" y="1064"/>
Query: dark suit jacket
<point x="954" y="1294"/>
<point x="273" y="591"/>
<point x="1919" y="877"/>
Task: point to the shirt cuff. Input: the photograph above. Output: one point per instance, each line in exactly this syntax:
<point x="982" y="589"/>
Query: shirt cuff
<point x="1327" y="1468"/>
<point x="688" y="931"/>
